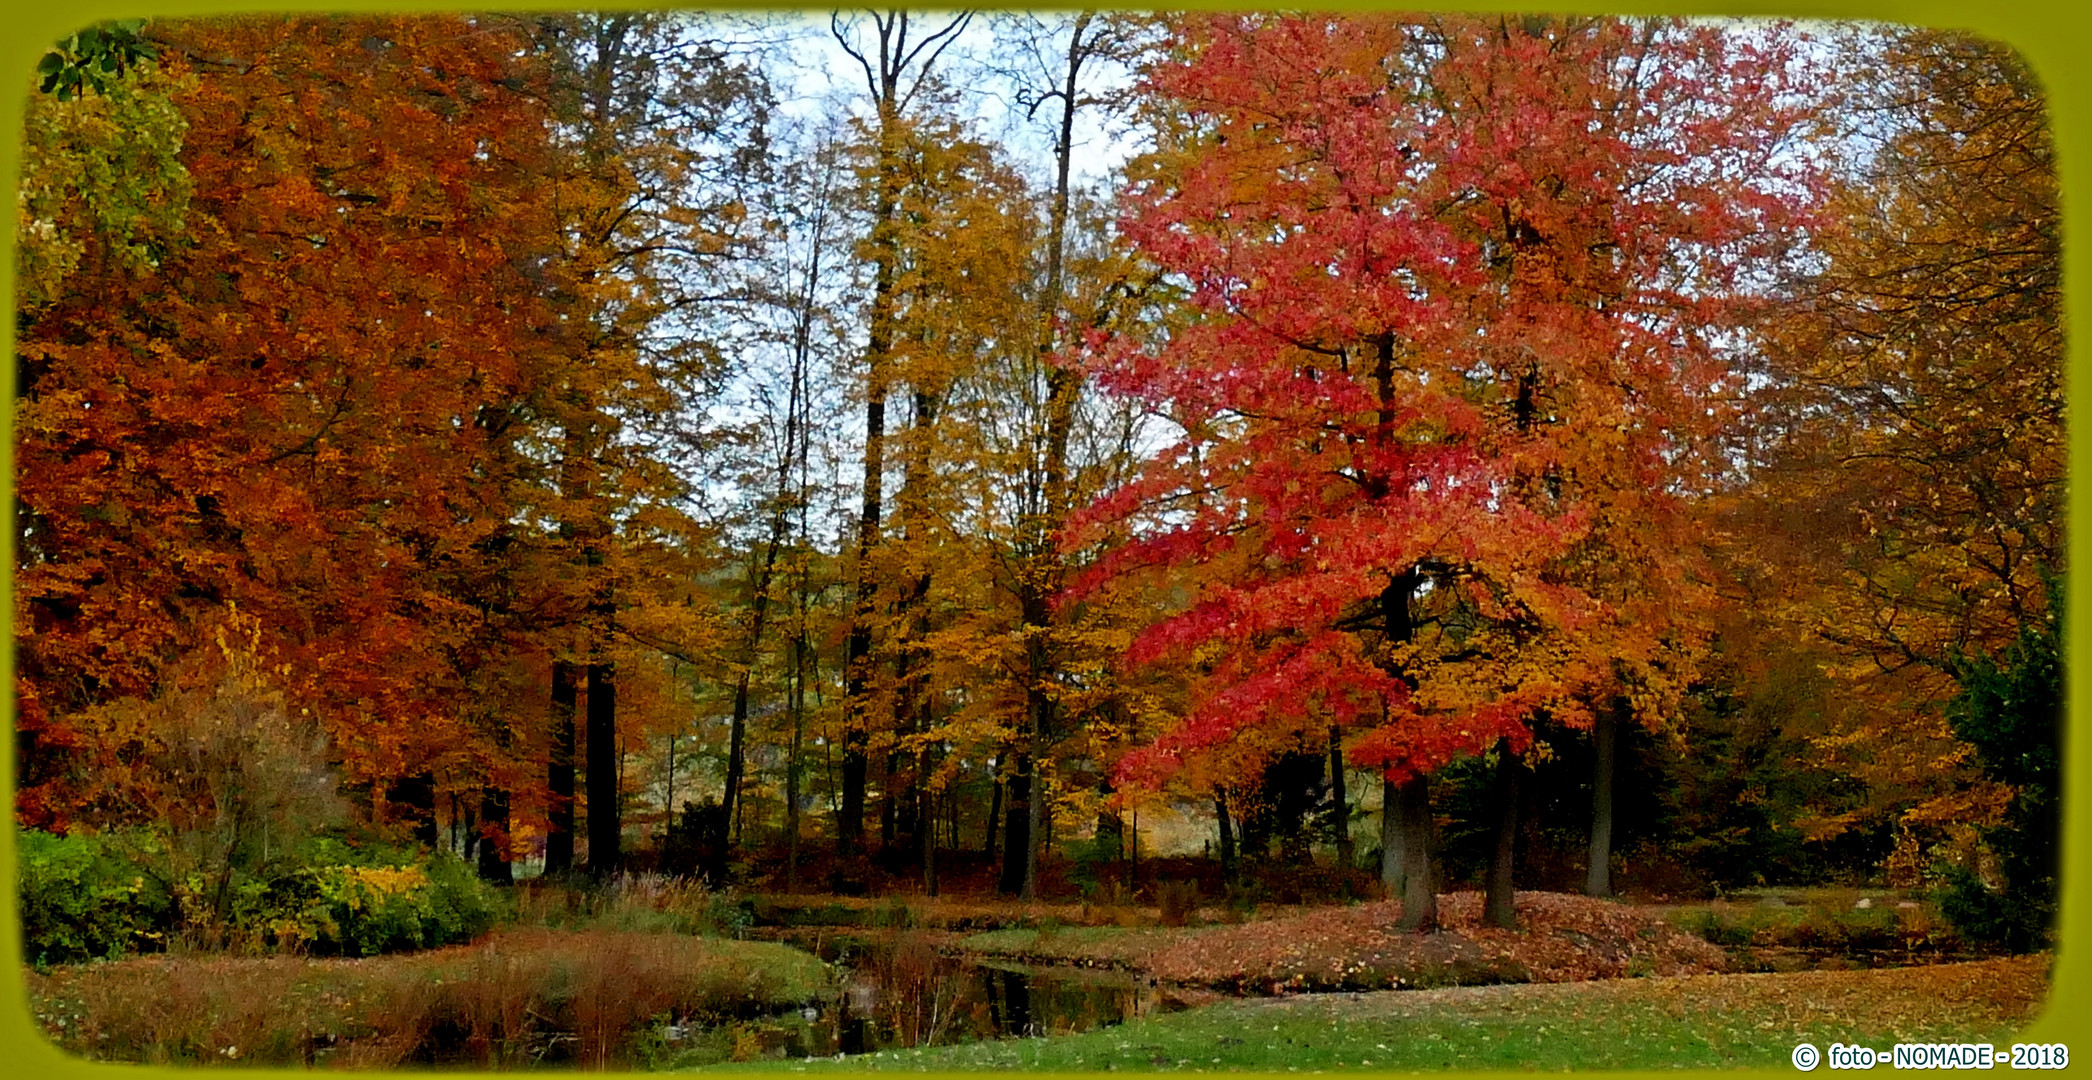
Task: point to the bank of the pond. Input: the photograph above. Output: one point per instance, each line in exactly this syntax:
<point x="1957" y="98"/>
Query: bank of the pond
<point x="516" y="999"/>
<point x="1561" y="938"/>
<point x="1701" y="1021"/>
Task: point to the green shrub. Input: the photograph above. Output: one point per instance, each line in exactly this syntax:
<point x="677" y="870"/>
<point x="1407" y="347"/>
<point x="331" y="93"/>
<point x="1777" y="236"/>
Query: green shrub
<point x="1718" y="929"/>
<point x="727" y="915"/>
<point x="80" y="901"/>
<point x="87" y="896"/>
<point x="1242" y="899"/>
<point x="367" y="910"/>
<point x="895" y="914"/>
<point x="2011" y="710"/>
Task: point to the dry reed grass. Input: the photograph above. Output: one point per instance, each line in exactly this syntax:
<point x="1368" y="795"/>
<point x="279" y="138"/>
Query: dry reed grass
<point x="519" y="998"/>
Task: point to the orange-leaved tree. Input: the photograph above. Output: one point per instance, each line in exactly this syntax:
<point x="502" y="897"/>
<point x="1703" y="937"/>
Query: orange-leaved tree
<point x="652" y="124"/>
<point x="1911" y="446"/>
<point x="283" y="408"/>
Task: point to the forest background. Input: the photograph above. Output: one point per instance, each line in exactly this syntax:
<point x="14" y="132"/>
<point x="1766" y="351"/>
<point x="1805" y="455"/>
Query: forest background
<point x="546" y="521"/>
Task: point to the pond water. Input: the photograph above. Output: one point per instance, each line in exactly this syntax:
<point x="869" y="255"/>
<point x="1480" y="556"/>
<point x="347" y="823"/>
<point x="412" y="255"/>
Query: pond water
<point x="900" y="992"/>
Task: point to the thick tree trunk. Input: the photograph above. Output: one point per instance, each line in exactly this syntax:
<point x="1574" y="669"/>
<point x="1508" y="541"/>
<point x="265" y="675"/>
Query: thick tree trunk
<point x="416" y="794"/>
<point x="902" y="811"/>
<point x="559" y="776"/>
<point x="1391" y="838"/>
<point x="1497" y="902"/>
<point x="1598" y="880"/>
<point x="857" y="669"/>
<point x="1037" y="829"/>
<point x="878" y="355"/>
<point x="1339" y="801"/>
<point x="460" y="819"/>
<point x="1415" y="848"/>
<point x="1419" y="881"/>
<point x="1017" y="821"/>
<point x="605" y="823"/>
<point x="1227" y="835"/>
<point x="857" y="681"/>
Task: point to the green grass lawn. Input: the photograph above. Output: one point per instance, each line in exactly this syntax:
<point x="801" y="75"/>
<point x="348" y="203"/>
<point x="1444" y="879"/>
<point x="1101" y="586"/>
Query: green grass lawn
<point x="1072" y="943"/>
<point x="1708" y="1021"/>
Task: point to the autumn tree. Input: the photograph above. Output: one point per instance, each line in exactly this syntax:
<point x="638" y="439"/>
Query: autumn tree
<point x="1056" y="68"/>
<point x="276" y="408"/>
<point x="1465" y="284"/>
<point x="1908" y="449"/>
<point x="805" y="288"/>
<point x="660" y="132"/>
<point x="895" y="67"/>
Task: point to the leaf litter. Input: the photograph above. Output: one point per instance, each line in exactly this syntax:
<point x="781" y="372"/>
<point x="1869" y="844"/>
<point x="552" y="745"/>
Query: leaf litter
<point x="1560" y="938"/>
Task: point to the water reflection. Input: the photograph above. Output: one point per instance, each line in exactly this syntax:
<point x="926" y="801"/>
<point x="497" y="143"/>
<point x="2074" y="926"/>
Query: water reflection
<point x="903" y="993"/>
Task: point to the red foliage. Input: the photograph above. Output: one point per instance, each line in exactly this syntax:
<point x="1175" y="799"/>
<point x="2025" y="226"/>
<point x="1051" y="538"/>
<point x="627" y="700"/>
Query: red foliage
<point x="1463" y="288"/>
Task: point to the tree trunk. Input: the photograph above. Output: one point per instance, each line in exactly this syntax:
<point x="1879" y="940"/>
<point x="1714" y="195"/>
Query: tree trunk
<point x="723" y="839"/>
<point x="1111" y="828"/>
<point x="1391" y="837"/>
<point x="889" y="791"/>
<point x="857" y="670"/>
<point x="559" y="776"/>
<point x="604" y="821"/>
<point x="857" y="683"/>
<point x="494" y="865"/>
<point x="1339" y="801"/>
<point x="1037" y="829"/>
<point x="458" y="820"/>
<point x="1017" y="819"/>
<point x="926" y="826"/>
<point x="995" y="786"/>
<point x="1133" y="848"/>
<point x="416" y="793"/>
<point x="1041" y="582"/>
<point x="719" y="845"/>
<point x="1497" y="903"/>
<point x="1416" y="845"/>
<point x="793" y="754"/>
<point x="1419" y="882"/>
<point x="1598" y="880"/>
<point x="1227" y="835"/>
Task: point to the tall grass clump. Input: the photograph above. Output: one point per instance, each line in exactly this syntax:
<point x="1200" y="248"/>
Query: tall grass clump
<point x="636" y="903"/>
<point x="1179" y="902"/>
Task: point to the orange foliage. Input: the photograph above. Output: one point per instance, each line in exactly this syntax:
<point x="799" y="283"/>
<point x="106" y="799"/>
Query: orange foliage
<point x="296" y="410"/>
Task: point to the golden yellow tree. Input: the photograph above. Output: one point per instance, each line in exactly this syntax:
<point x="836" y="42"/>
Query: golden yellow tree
<point x="1912" y="451"/>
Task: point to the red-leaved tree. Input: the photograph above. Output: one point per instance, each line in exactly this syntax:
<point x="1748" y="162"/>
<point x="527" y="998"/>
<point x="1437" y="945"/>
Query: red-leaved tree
<point x="1465" y="292"/>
